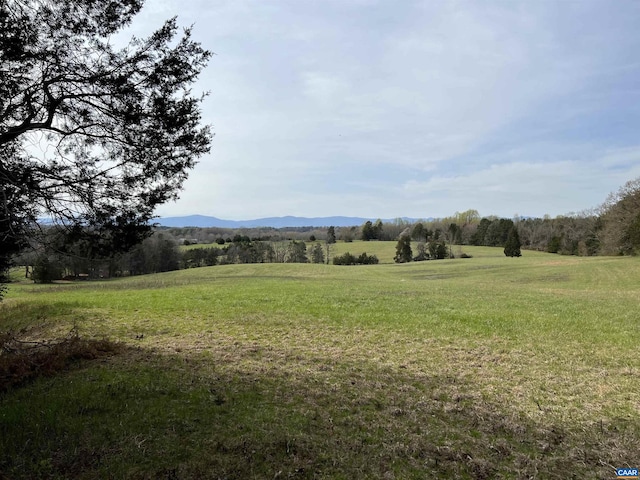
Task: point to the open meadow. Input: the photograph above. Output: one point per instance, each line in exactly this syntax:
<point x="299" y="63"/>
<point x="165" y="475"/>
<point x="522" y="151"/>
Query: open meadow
<point x="479" y="368"/>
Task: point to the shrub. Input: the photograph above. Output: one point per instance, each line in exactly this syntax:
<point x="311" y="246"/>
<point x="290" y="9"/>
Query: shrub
<point x="365" y="259"/>
<point x="345" y="259"/>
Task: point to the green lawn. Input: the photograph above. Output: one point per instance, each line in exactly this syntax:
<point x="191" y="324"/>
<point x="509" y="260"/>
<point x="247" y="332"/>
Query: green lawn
<point x="488" y="367"/>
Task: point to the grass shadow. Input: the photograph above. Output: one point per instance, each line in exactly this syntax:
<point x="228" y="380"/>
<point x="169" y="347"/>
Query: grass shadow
<point x="250" y="411"/>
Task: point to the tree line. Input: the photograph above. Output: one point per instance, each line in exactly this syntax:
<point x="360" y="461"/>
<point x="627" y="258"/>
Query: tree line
<point x="158" y="253"/>
<point x="612" y="230"/>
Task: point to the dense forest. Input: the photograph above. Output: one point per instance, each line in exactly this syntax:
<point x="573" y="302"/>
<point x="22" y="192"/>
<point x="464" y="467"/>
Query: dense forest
<point x="613" y="229"/>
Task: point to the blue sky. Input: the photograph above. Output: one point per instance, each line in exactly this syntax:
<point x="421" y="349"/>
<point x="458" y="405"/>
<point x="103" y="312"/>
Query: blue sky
<point x="411" y="108"/>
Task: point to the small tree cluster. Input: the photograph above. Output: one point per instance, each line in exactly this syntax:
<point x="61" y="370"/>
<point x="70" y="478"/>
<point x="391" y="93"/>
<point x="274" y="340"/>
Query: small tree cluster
<point x="492" y="233"/>
<point x="434" y="250"/>
<point x="53" y="261"/>
<point x="297" y="252"/>
<point x="317" y="254"/>
<point x="349" y="259"/>
<point x="199" y="257"/>
<point x="371" y="231"/>
<point x="244" y="250"/>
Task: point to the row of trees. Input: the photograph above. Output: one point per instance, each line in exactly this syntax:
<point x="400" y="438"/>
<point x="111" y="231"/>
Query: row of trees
<point x="46" y="263"/>
<point x="158" y="253"/>
<point x="615" y="231"/>
<point x="433" y="250"/>
<point x="612" y="229"/>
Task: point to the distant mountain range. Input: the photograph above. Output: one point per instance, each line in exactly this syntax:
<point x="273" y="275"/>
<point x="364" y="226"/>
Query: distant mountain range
<point x="204" y="221"/>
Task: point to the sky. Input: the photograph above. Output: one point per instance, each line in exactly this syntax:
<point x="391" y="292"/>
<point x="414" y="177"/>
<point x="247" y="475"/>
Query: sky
<point x="400" y="108"/>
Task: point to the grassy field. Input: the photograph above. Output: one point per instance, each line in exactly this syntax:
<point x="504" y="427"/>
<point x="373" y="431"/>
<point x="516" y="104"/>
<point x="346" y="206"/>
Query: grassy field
<point x="489" y="367"/>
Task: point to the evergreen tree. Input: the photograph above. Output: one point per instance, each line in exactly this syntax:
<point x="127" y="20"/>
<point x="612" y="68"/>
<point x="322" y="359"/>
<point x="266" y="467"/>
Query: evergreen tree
<point x="419" y="232"/>
<point x="377" y="229"/>
<point x="512" y="246"/>
<point x="331" y="235"/>
<point x="317" y="254"/>
<point x="368" y="232"/>
<point x="438" y="250"/>
<point x="403" y="249"/>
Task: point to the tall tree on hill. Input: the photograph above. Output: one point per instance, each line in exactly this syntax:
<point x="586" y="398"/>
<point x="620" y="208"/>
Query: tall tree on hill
<point x="317" y="254"/>
<point x="418" y="232"/>
<point x="331" y="239"/>
<point x="512" y="245"/>
<point x="478" y="238"/>
<point x="92" y="136"/>
<point x="403" y="249"/>
<point x="498" y="231"/>
<point x="378" y="228"/>
<point x="331" y="235"/>
<point x="367" y="232"/>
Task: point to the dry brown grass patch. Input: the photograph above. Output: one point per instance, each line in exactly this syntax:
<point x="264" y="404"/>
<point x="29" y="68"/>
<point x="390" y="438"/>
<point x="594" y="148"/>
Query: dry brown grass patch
<point x="23" y="358"/>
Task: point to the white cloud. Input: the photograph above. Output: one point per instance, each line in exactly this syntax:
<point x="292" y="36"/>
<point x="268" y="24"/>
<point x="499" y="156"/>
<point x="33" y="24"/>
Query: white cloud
<point x="528" y="188"/>
<point x="412" y="108"/>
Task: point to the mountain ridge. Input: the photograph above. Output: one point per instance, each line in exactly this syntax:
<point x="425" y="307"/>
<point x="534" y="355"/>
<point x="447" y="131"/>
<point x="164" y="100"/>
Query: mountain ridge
<point x="204" y="221"/>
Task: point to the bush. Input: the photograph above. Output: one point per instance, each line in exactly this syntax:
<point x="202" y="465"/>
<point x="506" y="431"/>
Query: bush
<point x="345" y="259"/>
<point x="365" y="259"/>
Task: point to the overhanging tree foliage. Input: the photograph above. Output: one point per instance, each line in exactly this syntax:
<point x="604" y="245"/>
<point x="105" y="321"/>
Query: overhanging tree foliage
<point x="92" y="137"/>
